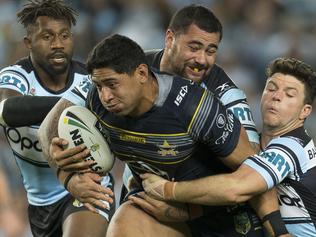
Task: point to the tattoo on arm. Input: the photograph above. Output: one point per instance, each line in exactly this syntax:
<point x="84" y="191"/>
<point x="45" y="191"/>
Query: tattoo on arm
<point x="48" y="129"/>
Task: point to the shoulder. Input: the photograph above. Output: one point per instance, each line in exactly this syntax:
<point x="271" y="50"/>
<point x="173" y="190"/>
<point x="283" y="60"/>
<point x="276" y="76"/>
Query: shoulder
<point x="17" y="76"/>
<point x="153" y="57"/>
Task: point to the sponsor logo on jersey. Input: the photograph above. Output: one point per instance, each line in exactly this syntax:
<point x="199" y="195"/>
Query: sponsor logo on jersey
<point x="167" y="150"/>
<point x="83" y="87"/>
<point x="12" y="80"/>
<point x="311" y="153"/>
<point x="131" y="138"/>
<point x="227" y="127"/>
<point x="278" y="161"/>
<point x="290" y="201"/>
<point x="15" y="137"/>
<point x="223" y="87"/>
<point x="183" y="91"/>
<point x="242" y="112"/>
<point x="220" y="121"/>
<point x="242" y="223"/>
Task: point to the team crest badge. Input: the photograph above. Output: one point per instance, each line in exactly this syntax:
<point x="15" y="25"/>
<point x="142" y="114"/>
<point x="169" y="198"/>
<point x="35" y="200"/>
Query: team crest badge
<point x="242" y="223"/>
<point x="77" y="203"/>
<point x="167" y="150"/>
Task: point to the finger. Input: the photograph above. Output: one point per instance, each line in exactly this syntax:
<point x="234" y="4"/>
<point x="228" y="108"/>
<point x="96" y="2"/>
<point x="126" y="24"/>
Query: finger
<point x="98" y="203"/>
<point x="66" y="158"/>
<point x="142" y="204"/>
<point x="59" y="141"/>
<point x="91" y="207"/>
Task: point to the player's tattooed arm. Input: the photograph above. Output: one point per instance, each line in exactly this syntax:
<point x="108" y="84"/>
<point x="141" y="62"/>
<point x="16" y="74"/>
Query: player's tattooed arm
<point x="48" y="129"/>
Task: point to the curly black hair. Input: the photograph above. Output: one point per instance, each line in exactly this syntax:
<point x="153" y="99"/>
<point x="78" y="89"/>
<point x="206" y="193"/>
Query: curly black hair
<point x="56" y="9"/>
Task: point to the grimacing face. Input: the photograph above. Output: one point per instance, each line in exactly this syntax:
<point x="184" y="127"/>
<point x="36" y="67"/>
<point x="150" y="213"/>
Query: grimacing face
<point x="119" y="93"/>
<point x="282" y="102"/>
<point x="51" y="44"/>
<point x="192" y="54"/>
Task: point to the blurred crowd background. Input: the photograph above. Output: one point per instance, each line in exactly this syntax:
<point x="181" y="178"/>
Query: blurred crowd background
<point x="254" y="33"/>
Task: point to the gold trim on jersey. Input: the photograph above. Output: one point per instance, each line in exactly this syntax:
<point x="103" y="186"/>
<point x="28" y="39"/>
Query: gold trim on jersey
<point x="131" y="138"/>
<point x="197" y="109"/>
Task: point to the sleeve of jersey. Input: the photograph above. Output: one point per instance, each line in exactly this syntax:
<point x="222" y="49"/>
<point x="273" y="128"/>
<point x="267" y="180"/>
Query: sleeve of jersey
<point x="78" y="94"/>
<point x="214" y="125"/>
<point x="14" y="78"/>
<point x="235" y="100"/>
<point x="283" y="157"/>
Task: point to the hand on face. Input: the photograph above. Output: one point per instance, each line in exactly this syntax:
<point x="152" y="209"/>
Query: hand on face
<point x="69" y="159"/>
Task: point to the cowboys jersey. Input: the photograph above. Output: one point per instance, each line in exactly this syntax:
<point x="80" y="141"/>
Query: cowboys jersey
<point x="40" y="181"/>
<point x="163" y="140"/>
<point x="224" y="89"/>
<point x="289" y="161"/>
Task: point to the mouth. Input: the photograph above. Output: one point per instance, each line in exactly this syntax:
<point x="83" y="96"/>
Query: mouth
<point x="112" y="108"/>
<point x="195" y="72"/>
<point x="58" y="58"/>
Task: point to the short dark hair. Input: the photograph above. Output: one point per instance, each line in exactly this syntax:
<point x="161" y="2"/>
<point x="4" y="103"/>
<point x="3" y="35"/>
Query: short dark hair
<point x="298" y="69"/>
<point x="118" y="53"/>
<point x="201" y="16"/>
<point x="56" y="9"/>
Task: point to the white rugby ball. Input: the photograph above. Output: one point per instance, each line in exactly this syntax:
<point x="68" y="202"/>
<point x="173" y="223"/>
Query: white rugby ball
<point x="78" y="125"/>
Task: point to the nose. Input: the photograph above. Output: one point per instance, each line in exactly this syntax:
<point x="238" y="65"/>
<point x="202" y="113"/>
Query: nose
<point x="277" y="95"/>
<point x="105" y="95"/>
<point x="57" y="42"/>
<point x="201" y="57"/>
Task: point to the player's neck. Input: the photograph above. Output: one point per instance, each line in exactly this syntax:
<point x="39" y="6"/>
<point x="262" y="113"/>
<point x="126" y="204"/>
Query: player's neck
<point x="54" y="82"/>
<point x="270" y="132"/>
<point x="165" y="64"/>
<point x="151" y="91"/>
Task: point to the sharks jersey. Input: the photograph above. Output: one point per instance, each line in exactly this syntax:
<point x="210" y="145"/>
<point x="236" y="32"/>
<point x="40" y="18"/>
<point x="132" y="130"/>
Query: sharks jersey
<point x="289" y="162"/>
<point x="39" y="180"/>
<point x="224" y="89"/>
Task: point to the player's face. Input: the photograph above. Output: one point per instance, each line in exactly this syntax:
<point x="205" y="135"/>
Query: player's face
<point x="121" y="94"/>
<point x="282" y="103"/>
<point x="51" y="45"/>
<point x="192" y="54"/>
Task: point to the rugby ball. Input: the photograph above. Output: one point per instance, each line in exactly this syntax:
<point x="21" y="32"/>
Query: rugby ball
<point x="78" y="125"/>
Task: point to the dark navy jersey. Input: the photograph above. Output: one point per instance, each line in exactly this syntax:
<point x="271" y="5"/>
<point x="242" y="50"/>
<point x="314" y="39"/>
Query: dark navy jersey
<point x="164" y="140"/>
<point x="289" y="162"/>
<point x="218" y="82"/>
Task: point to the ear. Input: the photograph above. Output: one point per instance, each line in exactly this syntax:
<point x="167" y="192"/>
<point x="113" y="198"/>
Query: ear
<point x="169" y="38"/>
<point x="27" y="42"/>
<point x="142" y="72"/>
<point x="306" y="111"/>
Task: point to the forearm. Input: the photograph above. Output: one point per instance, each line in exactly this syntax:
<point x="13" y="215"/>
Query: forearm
<point x="265" y="204"/>
<point x="222" y="189"/>
<point x="21" y="111"/>
<point x="49" y="128"/>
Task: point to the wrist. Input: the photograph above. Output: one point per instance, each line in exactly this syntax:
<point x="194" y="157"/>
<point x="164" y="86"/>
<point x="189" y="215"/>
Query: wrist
<point x="276" y="223"/>
<point x="169" y="191"/>
<point x="67" y="180"/>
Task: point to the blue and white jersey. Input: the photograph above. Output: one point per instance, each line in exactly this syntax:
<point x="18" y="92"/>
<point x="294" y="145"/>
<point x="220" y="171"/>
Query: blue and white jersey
<point x="40" y="181"/>
<point x="289" y="162"/>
